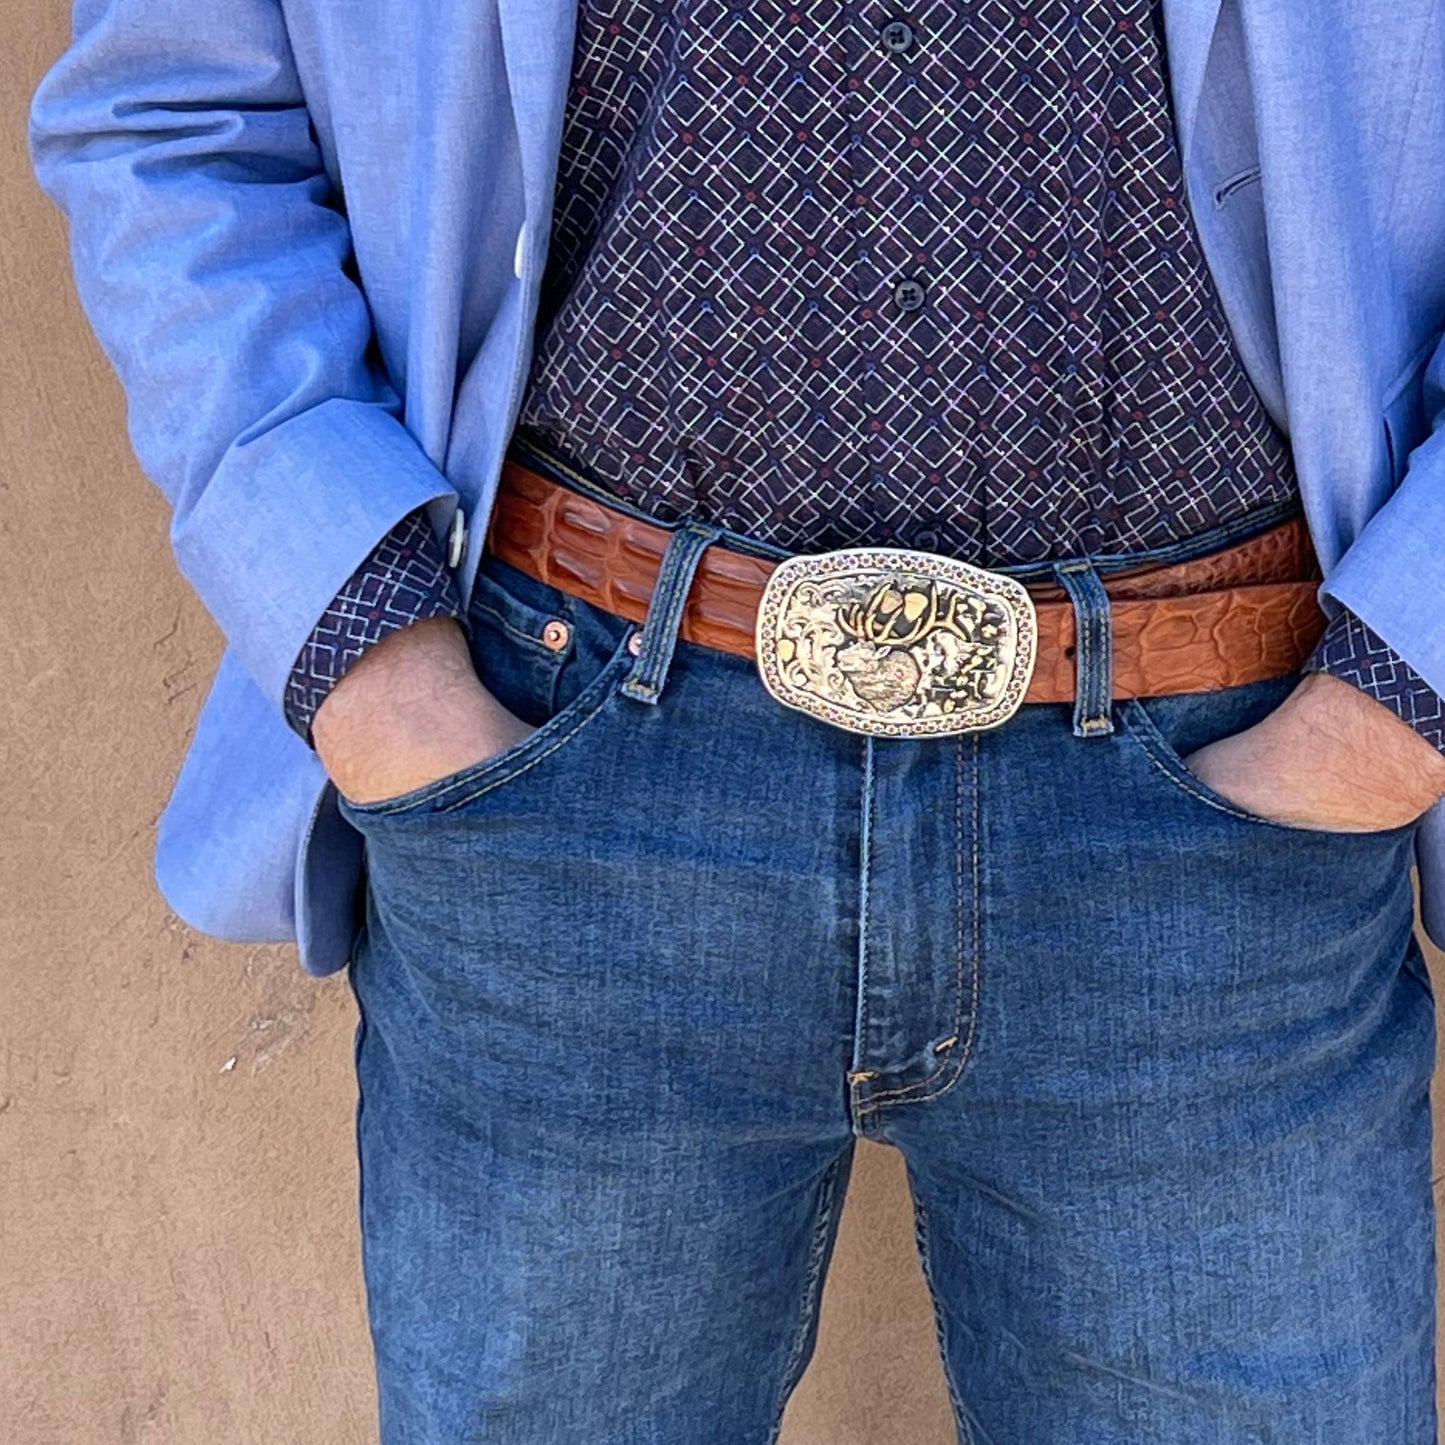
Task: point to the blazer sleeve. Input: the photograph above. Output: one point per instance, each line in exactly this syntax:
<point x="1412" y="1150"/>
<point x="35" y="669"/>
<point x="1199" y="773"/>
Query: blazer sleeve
<point x="215" y="267"/>
<point x="1392" y="575"/>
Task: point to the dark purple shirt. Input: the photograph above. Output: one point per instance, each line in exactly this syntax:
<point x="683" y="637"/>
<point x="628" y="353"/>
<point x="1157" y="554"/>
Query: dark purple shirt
<point x="834" y="278"/>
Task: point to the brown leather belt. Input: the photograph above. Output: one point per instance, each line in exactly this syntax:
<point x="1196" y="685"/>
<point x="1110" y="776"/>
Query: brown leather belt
<point x="1242" y="614"/>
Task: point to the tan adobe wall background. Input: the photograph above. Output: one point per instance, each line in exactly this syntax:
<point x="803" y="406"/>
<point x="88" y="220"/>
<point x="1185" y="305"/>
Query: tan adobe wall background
<point x="178" y="1244"/>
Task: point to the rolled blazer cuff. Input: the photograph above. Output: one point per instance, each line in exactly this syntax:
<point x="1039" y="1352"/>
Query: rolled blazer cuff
<point x="1392" y="577"/>
<point x="316" y="493"/>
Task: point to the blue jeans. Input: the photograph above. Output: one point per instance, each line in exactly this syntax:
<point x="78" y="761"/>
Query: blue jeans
<point x="631" y="989"/>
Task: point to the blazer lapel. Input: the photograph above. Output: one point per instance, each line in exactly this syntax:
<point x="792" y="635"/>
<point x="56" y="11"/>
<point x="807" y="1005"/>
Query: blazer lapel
<point x="537" y="40"/>
<point x="1189" y="34"/>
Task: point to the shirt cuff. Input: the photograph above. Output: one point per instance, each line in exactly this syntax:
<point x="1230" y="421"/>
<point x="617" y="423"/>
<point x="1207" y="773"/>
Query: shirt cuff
<point x="403" y="579"/>
<point x="1352" y="651"/>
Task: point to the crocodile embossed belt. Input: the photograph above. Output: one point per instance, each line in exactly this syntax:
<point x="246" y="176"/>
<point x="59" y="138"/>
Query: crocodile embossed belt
<point x="908" y="643"/>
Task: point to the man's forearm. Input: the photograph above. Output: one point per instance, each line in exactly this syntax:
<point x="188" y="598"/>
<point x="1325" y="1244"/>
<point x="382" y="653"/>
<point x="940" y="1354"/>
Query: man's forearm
<point x="408" y="712"/>
<point x="404" y="580"/>
<point x="1353" y="652"/>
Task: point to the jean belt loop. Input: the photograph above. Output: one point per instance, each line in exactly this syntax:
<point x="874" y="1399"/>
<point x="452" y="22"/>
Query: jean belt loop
<point x="664" y="611"/>
<point x="1093" y="651"/>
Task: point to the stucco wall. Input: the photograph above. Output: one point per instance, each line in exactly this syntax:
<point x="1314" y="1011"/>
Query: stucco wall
<point x="178" y="1245"/>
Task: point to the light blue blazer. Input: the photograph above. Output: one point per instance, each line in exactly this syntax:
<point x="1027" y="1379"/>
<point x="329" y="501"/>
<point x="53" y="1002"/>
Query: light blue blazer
<point x="218" y="163"/>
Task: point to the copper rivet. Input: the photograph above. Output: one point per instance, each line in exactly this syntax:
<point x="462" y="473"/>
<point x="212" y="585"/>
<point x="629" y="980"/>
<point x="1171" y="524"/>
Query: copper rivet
<point x="555" y="635"/>
<point x="634" y="643"/>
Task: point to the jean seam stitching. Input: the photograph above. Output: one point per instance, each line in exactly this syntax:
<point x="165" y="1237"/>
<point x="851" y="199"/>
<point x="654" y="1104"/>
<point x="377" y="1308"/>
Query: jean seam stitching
<point x="1101" y="687"/>
<point x="678" y="570"/>
<point x="921" y="1236"/>
<point x="866" y="805"/>
<point x="642" y="682"/>
<point x="614" y="666"/>
<point x="907" y="1092"/>
<point x="1139" y="731"/>
<point x="511" y="629"/>
<point x="822" y="1222"/>
<point x="976" y="936"/>
<point x="1185" y="786"/>
<point x="1093" y="640"/>
<point x="565" y="737"/>
<point x="1084" y="663"/>
<point x="920" y="1090"/>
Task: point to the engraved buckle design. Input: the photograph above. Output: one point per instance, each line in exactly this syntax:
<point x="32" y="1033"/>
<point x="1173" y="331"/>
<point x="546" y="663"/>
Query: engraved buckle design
<point x="896" y="642"/>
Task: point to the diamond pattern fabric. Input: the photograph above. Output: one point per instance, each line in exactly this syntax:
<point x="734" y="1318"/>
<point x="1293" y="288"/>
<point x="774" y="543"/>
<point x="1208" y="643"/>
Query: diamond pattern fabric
<point x="752" y="199"/>
<point x="1356" y="653"/>
<point x="832" y="276"/>
<point x="404" y="579"/>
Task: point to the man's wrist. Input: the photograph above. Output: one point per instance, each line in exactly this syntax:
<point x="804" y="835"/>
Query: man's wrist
<point x="404" y="579"/>
<point x="1366" y="743"/>
<point x="394" y="683"/>
<point x="1352" y="651"/>
<point x="409" y="711"/>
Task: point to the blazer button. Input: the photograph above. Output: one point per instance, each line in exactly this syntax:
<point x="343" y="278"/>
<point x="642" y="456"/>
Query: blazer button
<point x="457" y="538"/>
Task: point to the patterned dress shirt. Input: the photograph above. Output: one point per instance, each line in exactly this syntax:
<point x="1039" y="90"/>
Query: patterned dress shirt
<point x="836" y="276"/>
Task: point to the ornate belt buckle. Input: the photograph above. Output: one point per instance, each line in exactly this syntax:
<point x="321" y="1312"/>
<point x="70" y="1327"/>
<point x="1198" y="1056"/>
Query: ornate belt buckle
<point x="896" y="642"/>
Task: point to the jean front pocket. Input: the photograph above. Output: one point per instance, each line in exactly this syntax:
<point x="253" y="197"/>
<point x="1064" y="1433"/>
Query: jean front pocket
<point x="1167" y="729"/>
<point x="554" y="662"/>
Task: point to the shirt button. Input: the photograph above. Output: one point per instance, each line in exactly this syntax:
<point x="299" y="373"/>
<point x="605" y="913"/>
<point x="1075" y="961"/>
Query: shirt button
<point x="897" y="36"/>
<point x="909" y="295"/>
<point x="925" y="540"/>
<point x="457" y="538"/>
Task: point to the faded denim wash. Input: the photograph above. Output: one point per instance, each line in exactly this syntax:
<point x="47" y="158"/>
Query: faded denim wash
<point x="631" y="989"/>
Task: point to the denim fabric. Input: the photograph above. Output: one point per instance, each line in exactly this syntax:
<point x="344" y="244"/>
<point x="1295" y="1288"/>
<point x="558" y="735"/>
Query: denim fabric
<point x="631" y="989"/>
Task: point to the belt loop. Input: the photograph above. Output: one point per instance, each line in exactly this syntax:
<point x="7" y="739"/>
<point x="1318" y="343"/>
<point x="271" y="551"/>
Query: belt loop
<point x="664" y="610"/>
<point x="1094" y="649"/>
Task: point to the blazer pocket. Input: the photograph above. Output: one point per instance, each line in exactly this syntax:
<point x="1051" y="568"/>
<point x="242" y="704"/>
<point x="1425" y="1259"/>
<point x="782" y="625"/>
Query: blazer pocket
<point x="1237" y="182"/>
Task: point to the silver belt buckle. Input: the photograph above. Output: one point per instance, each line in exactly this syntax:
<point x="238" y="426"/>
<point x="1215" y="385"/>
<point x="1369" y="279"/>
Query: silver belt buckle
<point x="895" y="642"/>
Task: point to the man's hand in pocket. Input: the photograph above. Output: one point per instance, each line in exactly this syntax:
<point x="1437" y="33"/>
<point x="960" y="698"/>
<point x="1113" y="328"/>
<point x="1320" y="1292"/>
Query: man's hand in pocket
<point x="408" y="711"/>
<point x="1329" y="757"/>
